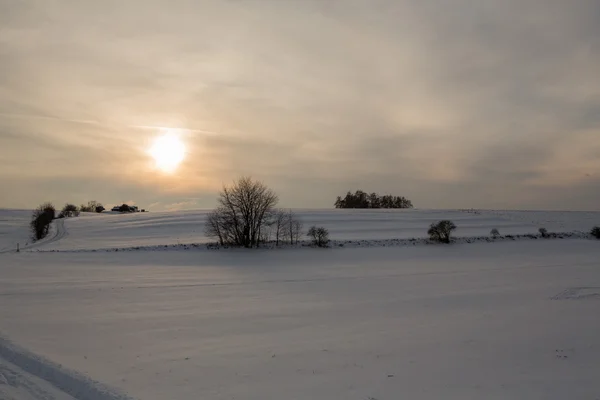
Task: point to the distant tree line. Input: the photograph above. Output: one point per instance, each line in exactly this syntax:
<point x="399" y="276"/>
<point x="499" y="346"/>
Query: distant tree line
<point x="126" y="208"/>
<point x="92" y="206"/>
<point x="42" y="217"/>
<point x="71" y="210"/>
<point x="362" y="199"/>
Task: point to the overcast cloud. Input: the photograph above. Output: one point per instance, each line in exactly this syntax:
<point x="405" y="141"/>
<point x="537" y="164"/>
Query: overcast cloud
<point x="453" y="104"/>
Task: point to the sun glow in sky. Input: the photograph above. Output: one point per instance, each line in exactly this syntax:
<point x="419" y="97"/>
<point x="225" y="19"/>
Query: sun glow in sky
<point x="452" y="104"/>
<point x="168" y="152"/>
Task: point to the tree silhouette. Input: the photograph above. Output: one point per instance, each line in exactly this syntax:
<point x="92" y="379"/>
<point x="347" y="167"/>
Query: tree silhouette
<point x="361" y="199"/>
<point x="243" y="212"/>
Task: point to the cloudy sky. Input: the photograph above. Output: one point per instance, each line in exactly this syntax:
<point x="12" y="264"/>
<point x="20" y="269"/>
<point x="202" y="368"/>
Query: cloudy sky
<point x="453" y="104"/>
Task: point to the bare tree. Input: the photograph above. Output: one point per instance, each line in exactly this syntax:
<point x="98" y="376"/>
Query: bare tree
<point x="279" y="224"/>
<point x="215" y="226"/>
<point x="319" y="236"/>
<point x="89" y="207"/>
<point x="296" y="231"/>
<point x="243" y="213"/>
<point x="293" y="227"/>
<point x="212" y="228"/>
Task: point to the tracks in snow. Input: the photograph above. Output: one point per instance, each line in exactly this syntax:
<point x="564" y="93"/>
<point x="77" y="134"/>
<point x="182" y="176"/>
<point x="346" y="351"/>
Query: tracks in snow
<point x="24" y="375"/>
<point x="16" y="384"/>
<point x="58" y="232"/>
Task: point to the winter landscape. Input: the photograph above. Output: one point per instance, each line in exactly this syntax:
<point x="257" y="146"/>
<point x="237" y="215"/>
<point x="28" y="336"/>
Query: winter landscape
<point x="101" y="309"/>
<point x="299" y="200"/>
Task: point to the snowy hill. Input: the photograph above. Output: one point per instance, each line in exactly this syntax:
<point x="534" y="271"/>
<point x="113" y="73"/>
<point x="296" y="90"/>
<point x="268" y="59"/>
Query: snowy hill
<point x="107" y="231"/>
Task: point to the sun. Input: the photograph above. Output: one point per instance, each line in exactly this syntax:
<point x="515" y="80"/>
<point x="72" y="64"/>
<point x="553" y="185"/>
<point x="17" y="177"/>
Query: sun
<point x="168" y="152"/>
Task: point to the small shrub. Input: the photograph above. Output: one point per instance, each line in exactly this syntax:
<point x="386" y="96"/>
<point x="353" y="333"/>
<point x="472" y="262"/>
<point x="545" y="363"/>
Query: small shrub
<point x="69" y="210"/>
<point x="100" y="209"/>
<point x="441" y="231"/>
<point x="495" y="233"/>
<point x="544" y="232"/>
<point x="319" y="236"/>
<point x="596" y="232"/>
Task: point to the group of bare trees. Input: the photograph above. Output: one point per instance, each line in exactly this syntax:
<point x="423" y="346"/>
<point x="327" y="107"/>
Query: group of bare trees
<point x="92" y="206"/>
<point x="242" y="215"/>
<point x="71" y="210"/>
<point x="246" y="216"/>
<point x="283" y="227"/>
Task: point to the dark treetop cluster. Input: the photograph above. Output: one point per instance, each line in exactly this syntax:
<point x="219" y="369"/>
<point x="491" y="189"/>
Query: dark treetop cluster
<point x="362" y="199"/>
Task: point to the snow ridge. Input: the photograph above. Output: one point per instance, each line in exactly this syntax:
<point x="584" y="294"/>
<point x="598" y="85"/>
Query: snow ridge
<point x="71" y="382"/>
<point x="341" y="243"/>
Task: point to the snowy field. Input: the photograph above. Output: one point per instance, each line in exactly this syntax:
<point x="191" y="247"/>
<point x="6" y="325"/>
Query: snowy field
<point x="507" y="320"/>
<point x="14" y="228"/>
<point x="109" y="231"/>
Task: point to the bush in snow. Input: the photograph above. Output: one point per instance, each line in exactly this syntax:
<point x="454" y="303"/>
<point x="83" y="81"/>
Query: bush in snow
<point x="41" y="219"/>
<point x="69" y="210"/>
<point x="495" y="233"/>
<point x="441" y="231"/>
<point x="319" y="236"/>
<point x="544" y="232"/>
<point x="99" y="208"/>
<point x="596" y="232"/>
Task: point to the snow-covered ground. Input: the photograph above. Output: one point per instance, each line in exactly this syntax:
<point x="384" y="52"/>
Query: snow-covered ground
<point x="515" y="320"/>
<point x="14" y="228"/>
<point x="109" y="231"/>
<point x="16" y="384"/>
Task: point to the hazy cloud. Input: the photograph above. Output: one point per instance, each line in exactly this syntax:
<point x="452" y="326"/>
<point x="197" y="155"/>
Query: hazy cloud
<point x="452" y="104"/>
